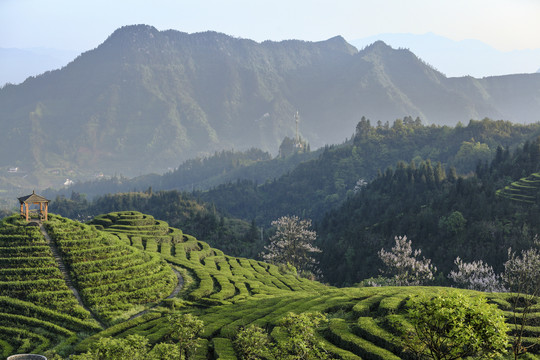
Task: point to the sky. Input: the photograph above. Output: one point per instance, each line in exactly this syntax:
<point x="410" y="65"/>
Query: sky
<point x="82" y="25"/>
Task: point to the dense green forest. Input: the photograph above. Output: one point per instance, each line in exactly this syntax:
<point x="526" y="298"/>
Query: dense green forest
<point x="317" y="186"/>
<point x="444" y="215"/>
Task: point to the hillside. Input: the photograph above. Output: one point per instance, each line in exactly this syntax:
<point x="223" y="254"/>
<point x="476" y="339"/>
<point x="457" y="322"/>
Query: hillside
<point x="315" y="187"/>
<point x="453" y="58"/>
<point x="444" y="215"/>
<point x="225" y="292"/>
<point x="146" y="100"/>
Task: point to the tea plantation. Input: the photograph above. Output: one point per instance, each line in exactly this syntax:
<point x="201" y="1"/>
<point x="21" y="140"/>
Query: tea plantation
<point x="524" y="190"/>
<point x="37" y="309"/>
<point x="125" y="267"/>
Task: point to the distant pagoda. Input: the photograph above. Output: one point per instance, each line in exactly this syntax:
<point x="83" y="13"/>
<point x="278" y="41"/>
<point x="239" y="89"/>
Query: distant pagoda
<point x="34" y="199"/>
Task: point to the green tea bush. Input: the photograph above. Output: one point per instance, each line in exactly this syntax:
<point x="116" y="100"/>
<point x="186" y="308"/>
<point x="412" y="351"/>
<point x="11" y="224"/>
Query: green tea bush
<point x="223" y="349"/>
<point x="136" y="242"/>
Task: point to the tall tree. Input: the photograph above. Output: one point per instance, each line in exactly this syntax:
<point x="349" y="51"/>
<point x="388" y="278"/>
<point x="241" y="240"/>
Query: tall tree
<point x="292" y="244"/>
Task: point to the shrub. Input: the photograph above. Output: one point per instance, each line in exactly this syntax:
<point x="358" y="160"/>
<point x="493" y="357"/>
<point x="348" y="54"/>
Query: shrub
<point x="453" y="326"/>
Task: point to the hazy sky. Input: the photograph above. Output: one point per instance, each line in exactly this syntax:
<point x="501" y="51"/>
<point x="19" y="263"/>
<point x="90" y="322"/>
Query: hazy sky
<point x="83" y="24"/>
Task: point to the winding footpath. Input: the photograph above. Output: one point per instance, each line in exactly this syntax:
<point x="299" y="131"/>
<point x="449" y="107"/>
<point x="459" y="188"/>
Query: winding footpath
<point x="65" y="273"/>
<point x="179" y="286"/>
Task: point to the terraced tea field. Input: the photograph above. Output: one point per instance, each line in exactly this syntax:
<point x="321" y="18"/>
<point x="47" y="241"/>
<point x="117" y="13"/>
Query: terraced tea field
<point x="364" y="323"/>
<point x="122" y="262"/>
<point x="219" y="279"/>
<point x="525" y="190"/>
<point x="37" y="309"/>
<point x="115" y="280"/>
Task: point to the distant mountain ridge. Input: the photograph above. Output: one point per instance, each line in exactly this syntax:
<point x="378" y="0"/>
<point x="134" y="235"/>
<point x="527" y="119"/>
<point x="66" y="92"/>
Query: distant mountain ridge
<point x="147" y="100"/>
<point x="460" y="58"/>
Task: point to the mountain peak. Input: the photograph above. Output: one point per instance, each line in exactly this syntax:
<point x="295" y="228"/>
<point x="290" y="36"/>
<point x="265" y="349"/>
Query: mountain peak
<point x="340" y="44"/>
<point x="378" y="45"/>
<point x="380" y="50"/>
<point x="134" y="29"/>
<point x="132" y="33"/>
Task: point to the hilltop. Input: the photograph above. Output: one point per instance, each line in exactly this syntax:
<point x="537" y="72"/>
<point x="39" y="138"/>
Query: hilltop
<point x="146" y="100"/>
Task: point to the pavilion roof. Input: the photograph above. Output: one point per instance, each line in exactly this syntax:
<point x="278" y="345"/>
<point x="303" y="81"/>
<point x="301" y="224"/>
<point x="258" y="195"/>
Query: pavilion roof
<point x="33" y="198"/>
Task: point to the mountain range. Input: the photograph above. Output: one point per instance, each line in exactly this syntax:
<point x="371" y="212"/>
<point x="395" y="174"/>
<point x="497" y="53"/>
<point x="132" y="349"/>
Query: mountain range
<point x="453" y="58"/>
<point x="146" y="100"/>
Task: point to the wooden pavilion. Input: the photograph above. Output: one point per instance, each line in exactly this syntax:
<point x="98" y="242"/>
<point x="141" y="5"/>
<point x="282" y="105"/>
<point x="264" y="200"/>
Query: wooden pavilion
<point x="34" y="199"/>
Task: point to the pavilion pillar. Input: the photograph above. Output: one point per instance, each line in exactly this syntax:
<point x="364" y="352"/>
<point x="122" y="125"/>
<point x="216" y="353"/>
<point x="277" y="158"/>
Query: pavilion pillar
<point x="46" y="211"/>
<point x="22" y="209"/>
<point x="26" y="212"/>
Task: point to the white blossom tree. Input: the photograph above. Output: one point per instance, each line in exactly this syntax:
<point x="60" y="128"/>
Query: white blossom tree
<point x="292" y="244"/>
<point x="403" y="265"/>
<point x="476" y="275"/>
<point x="522" y="276"/>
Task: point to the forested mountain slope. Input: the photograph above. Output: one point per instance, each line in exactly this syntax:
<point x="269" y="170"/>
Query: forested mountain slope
<point x="317" y="186"/>
<point x="146" y="100"/>
<point x="314" y="182"/>
<point x="445" y="216"/>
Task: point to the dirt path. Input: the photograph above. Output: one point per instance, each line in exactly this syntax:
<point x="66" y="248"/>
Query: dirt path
<point x="65" y="273"/>
<point x="179" y="286"/>
<point x="175" y="292"/>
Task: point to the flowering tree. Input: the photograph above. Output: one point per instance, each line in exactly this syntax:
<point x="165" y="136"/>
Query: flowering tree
<point x="404" y="267"/>
<point x="292" y="243"/>
<point x="476" y="276"/>
<point x="522" y="276"/>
